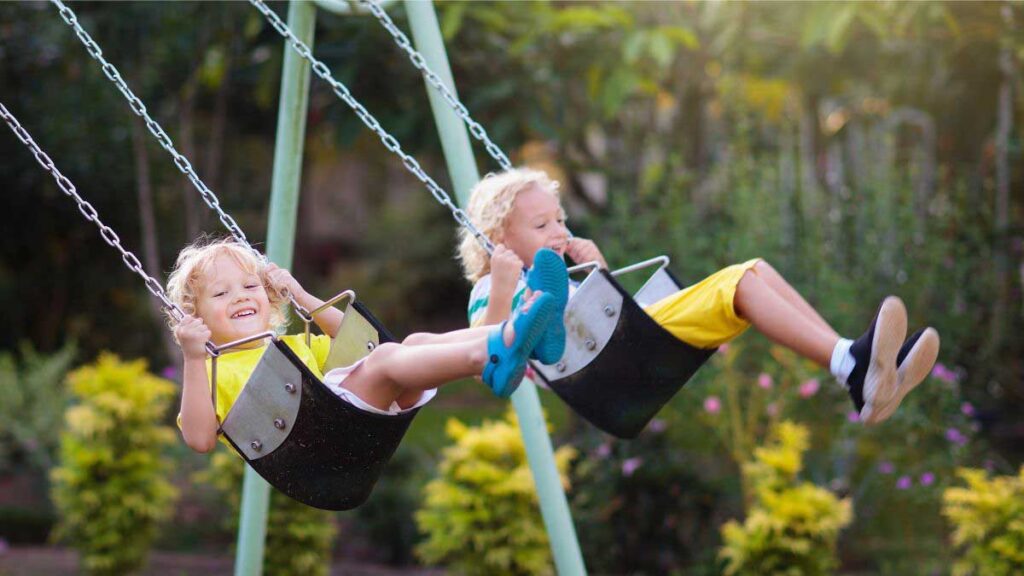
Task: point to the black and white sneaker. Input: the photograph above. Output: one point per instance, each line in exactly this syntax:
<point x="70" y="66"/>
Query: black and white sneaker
<point x="872" y="384"/>
<point x="913" y="364"/>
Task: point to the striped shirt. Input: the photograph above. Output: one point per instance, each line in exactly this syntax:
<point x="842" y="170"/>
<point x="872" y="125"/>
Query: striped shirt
<point x="480" y="296"/>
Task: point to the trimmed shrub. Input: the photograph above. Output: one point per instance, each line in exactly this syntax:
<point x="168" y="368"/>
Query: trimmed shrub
<point x="110" y="489"/>
<point x="988" y="515"/>
<point x="791" y="528"/>
<point x="481" y="515"/>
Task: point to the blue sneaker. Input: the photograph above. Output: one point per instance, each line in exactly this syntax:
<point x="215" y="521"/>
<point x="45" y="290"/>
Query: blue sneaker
<point x="549" y="275"/>
<point x="506" y="365"/>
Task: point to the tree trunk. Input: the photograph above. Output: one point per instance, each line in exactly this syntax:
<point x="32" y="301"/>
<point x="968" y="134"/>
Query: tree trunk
<point x="1004" y="124"/>
<point x="147" y="227"/>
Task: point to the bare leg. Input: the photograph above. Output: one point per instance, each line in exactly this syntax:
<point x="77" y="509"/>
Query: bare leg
<point x="463" y="335"/>
<point x="787" y="292"/>
<point x="782" y="322"/>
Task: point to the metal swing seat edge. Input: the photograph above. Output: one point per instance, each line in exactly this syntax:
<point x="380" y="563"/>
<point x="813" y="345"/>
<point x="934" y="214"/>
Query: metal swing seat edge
<point x="298" y="435"/>
<point x="620" y="367"/>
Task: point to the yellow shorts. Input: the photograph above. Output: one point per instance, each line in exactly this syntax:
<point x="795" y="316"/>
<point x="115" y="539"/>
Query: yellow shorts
<point x="703" y="315"/>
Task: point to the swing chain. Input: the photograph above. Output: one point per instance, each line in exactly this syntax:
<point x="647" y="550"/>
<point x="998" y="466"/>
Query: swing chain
<point x="183" y="164"/>
<point x="87" y="210"/>
<point x="420" y="63"/>
<point x="389" y="141"/>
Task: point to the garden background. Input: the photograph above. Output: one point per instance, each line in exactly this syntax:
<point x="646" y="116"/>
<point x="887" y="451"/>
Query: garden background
<point x="861" y="148"/>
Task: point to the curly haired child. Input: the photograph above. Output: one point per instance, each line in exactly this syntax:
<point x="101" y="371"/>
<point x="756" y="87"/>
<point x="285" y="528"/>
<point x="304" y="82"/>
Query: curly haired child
<point x="520" y="210"/>
<point x="228" y="293"/>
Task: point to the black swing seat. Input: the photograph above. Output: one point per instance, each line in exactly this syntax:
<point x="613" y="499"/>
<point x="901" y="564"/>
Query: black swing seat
<point x="303" y="439"/>
<point x="620" y="367"/>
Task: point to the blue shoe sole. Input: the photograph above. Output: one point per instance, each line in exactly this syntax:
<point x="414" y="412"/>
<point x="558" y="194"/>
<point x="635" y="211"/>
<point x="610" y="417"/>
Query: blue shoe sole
<point x="549" y="276"/>
<point x="506" y="365"/>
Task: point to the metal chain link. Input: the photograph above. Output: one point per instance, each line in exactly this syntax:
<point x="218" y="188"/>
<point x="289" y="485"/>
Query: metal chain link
<point x="183" y="164"/>
<point x="92" y="215"/>
<point x="420" y="63"/>
<point x="389" y="141"/>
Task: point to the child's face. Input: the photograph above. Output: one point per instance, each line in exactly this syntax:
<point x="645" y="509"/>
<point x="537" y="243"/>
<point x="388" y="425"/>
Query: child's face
<point x="232" y="302"/>
<point x="536" y="222"/>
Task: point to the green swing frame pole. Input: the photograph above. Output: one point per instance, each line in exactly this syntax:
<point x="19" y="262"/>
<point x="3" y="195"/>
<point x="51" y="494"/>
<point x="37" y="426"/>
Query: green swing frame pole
<point x="458" y="154"/>
<point x="281" y="223"/>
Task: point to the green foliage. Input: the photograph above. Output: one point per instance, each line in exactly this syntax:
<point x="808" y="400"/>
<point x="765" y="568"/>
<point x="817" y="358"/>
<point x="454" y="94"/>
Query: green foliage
<point x="988" y="519"/>
<point x="299" y="538"/>
<point x="33" y="404"/>
<point x="792" y="527"/>
<point x="481" y="514"/>
<point x="110" y="488"/>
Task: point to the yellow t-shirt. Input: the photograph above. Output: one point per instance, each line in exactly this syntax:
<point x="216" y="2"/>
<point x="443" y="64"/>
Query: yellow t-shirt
<point x="234" y="368"/>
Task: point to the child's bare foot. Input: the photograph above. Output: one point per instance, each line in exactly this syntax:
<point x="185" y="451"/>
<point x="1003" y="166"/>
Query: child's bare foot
<point x="872" y="384"/>
<point x="913" y="363"/>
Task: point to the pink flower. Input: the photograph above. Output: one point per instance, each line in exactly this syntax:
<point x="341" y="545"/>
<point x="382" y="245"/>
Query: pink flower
<point x="927" y="479"/>
<point x="764" y="381"/>
<point x="942" y="373"/>
<point x="712" y="405"/>
<point x="657" y="426"/>
<point x="904" y="483"/>
<point x="772" y="409"/>
<point x="630" y="465"/>
<point x="809" y="388"/>
<point x="886" y="467"/>
<point x="723" y="348"/>
<point x="967" y="409"/>
<point x="853" y="416"/>
<point x="954" y="436"/>
<point x="170" y="373"/>
<point x="603" y="451"/>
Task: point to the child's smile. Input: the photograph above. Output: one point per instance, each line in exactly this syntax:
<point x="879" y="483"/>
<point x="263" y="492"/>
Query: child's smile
<point x="232" y="302"/>
<point x="536" y="221"/>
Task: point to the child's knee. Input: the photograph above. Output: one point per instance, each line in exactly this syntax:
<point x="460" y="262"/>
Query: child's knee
<point x="416" y="339"/>
<point x="376" y="363"/>
<point x="762" y="266"/>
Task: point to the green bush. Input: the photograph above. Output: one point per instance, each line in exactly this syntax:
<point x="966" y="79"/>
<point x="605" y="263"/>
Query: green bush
<point x="791" y="528"/>
<point x="110" y="489"/>
<point x="481" y="515"/>
<point x="299" y="538"/>
<point x="34" y="399"/>
<point x="988" y="515"/>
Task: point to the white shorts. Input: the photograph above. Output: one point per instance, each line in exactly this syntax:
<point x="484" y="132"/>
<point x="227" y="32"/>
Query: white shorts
<point x="334" y="379"/>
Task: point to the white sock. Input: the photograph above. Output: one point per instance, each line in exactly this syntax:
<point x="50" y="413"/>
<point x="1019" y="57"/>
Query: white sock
<point x="842" y="361"/>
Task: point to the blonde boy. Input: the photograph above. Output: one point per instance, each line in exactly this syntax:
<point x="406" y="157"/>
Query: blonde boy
<point x="520" y="210"/>
<point x="228" y="294"/>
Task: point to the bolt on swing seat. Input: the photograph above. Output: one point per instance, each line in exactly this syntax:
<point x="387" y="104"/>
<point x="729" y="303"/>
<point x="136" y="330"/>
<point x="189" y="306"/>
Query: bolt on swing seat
<point x="620" y="367"/>
<point x="302" y="438"/>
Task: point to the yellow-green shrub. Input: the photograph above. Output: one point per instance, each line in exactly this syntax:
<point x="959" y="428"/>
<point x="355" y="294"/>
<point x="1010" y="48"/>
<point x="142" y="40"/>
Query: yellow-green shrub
<point x="791" y="528"/>
<point x="988" y="515"/>
<point x="299" y="538"/>
<point x="110" y="489"/>
<point x="481" y="515"/>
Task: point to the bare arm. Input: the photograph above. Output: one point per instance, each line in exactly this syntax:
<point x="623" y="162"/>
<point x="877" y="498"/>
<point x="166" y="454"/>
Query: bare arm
<point x="328" y="320"/>
<point x="198" y="419"/>
<point x="506" y="268"/>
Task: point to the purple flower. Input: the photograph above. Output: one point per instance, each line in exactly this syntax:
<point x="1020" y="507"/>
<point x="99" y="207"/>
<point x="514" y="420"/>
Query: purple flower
<point x="170" y="373"/>
<point x="764" y="381"/>
<point x="954" y="436"/>
<point x="989" y="464"/>
<point x="712" y="405"/>
<point x="904" y="483"/>
<point x="886" y="467"/>
<point x="657" y="426"/>
<point x="853" y="416"/>
<point x="603" y="451"/>
<point x="809" y="388"/>
<point x="942" y="373"/>
<point x="630" y="465"/>
<point x="927" y="479"/>
<point x="967" y="409"/>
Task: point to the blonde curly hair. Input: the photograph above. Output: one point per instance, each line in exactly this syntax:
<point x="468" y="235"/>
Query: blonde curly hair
<point x="490" y="203"/>
<point x="193" y="264"/>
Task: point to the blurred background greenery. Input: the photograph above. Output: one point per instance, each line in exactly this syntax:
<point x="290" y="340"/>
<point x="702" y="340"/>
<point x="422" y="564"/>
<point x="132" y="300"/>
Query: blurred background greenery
<point x="862" y="148"/>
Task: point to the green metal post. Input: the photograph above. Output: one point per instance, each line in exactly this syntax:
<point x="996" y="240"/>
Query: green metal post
<point x="283" y="212"/>
<point x="462" y="167"/>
